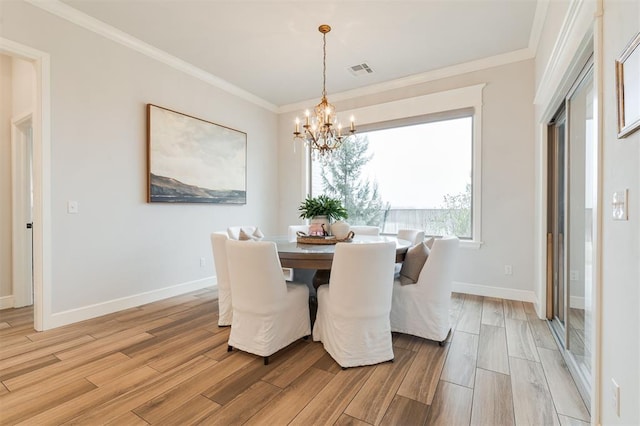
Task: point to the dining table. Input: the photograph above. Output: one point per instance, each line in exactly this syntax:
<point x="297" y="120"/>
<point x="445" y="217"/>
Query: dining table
<point x="319" y="257"/>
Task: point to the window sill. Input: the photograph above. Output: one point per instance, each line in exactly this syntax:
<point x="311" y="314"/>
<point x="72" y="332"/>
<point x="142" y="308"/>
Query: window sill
<point x="470" y="244"/>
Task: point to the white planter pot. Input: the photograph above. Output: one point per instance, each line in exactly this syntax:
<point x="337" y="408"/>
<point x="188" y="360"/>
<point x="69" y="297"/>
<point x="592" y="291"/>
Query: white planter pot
<point x="321" y="220"/>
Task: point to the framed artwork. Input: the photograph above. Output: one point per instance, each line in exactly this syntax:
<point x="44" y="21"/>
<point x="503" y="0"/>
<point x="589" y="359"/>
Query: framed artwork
<point x="190" y="160"/>
<point x="628" y="88"/>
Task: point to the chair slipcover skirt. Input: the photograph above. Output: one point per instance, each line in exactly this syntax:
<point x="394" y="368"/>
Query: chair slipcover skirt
<point x="412" y="313"/>
<point x="361" y="341"/>
<point x="353" y="310"/>
<point x="268" y="313"/>
<point x="265" y="334"/>
<point x="422" y="309"/>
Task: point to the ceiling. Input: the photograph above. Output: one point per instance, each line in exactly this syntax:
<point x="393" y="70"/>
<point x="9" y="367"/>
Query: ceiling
<point x="273" y="50"/>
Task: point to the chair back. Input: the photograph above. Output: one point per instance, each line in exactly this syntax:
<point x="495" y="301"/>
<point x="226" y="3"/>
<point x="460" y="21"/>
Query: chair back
<point x="218" y="245"/>
<point x="293" y="229"/>
<point x="234" y="231"/>
<point x="416" y="236"/>
<point x="361" y="277"/>
<point x="219" y="248"/>
<point x="365" y="230"/>
<point x="437" y="272"/>
<point x="257" y="283"/>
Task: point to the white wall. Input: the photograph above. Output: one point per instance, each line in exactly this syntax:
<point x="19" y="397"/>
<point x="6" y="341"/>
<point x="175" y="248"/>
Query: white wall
<point x="5" y="180"/>
<point x="620" y="240"/>
<point x="22" y="86"/>
<point x="507" y="176"/>
<point x="118" y="246"/>
<point x="618" y="291"/>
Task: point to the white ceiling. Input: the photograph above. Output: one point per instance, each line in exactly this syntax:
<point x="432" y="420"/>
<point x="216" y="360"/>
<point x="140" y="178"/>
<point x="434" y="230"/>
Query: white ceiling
<point x="273" y="50"/>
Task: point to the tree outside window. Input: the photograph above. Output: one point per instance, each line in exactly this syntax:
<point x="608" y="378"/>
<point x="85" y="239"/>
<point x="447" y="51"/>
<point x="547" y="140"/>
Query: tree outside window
<point x="412" y="176"/>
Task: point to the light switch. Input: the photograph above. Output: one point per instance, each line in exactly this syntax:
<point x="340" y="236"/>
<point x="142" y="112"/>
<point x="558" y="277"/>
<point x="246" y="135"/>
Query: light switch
<point x="72" y="207"/>
<point x="619" y="205"/>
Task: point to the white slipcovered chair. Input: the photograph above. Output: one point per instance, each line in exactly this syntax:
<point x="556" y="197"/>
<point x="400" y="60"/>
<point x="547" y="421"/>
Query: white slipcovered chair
<point x="268" y="313"/>
<point x="218" y="245"/>
<point x="353" y="310"/>
<point x="422" y="309"/>
<point x="365" y="230"/>
<point x="414" y="235"/>
<point x="293" y="229"/>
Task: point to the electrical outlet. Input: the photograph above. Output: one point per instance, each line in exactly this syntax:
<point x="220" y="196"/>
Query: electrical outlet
<point x="573" y="276"/>
<point x="508" y="270"/>
<point x="72" y="207"/>
<point x="203" y="262"/>
<point x="615" y="397"/>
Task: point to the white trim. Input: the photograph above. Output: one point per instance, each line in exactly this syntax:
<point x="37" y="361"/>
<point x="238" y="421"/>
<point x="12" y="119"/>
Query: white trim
<point x="538" y="24"/>
<point x="578" y="20"/>
<point x="71" y="316"/>
<point x="6" y="302"/>
<point x="463" y="97"/>
<point x="576" y="302"/>
<point x="580" y="34"/>
<point x="540" y="276"/>
<point x="596" y="285"/>
<point x="81" y="19"/>
<point x="42" y="263"/>
<point x="470" y="244"/>
<point x="489" y="291"/>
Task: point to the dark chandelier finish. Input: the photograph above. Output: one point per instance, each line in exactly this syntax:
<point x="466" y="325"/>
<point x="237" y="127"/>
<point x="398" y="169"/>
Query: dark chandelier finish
<point x="320" y="131"/>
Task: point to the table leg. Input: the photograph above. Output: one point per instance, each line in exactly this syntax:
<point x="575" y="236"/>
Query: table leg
<point x="321" y="277"/>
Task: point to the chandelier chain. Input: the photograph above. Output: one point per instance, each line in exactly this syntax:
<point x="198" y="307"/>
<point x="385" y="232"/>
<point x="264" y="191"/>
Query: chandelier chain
<point x="322" y="132"/>
<point x="324" y="65"/>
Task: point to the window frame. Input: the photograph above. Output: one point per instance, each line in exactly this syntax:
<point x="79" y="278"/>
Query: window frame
<point x="430" y="106"/>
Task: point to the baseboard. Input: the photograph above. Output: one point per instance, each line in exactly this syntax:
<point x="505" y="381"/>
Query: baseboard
<point x="71" y="316"/>
<point x="500" y="292"/>
<point x="6" y="302"/>
<point x="576" y="302"/>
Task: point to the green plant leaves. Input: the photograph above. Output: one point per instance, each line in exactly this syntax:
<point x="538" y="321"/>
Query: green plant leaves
<point x="322" y="205"/>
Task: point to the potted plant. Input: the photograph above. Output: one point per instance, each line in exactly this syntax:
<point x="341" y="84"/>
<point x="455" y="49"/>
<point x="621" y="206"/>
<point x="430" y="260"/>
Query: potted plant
<point x="322" y="210"/>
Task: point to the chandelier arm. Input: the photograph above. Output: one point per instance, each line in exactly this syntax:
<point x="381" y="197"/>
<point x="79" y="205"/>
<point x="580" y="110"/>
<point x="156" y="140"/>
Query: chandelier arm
<point x="322" y="137"/>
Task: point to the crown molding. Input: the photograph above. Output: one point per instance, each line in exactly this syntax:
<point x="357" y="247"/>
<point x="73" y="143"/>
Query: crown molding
<point x="571" y="39"/>
<point x="81" y="19"/>
<point x="538" y="24"/>
<point x="452" y="71"/>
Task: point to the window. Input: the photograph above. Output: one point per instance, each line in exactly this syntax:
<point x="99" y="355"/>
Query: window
<point x="420" y="172"/>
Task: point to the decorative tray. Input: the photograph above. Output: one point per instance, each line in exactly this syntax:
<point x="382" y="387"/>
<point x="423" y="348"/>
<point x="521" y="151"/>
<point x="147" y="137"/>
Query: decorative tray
<point x="321" y="240"/>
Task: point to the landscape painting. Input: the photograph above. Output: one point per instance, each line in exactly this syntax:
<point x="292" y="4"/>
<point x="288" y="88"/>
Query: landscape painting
<point x="191" y="160"/>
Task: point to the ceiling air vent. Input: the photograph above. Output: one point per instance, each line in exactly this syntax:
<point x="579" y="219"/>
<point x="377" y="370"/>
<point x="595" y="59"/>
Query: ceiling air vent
<point x="361" y="69"/>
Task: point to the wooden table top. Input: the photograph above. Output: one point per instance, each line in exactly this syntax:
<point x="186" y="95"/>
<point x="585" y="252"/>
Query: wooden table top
<point x="320" y="256"/>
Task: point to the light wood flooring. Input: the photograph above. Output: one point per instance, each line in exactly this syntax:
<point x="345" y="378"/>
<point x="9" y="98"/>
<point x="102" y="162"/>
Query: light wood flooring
<point x="167" y="363"/>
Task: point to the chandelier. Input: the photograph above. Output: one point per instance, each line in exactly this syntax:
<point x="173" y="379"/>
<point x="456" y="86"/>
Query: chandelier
<point x="322" y="132"/>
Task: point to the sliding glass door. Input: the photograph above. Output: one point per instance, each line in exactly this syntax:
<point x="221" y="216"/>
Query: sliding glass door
<point x="572" y="201"/>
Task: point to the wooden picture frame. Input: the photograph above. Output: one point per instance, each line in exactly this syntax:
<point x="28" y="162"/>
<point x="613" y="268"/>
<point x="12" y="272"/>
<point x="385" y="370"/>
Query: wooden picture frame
<point x="628" y="88"/>
<point x="191" y="160"/>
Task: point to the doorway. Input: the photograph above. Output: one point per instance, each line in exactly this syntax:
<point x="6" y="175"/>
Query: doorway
<point x="41" y="177"/>
<point x="22" y="206"/>
<point x="572" y="202"/>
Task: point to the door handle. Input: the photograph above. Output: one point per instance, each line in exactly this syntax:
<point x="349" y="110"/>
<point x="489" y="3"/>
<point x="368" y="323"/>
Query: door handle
<point x="29" y="225"/>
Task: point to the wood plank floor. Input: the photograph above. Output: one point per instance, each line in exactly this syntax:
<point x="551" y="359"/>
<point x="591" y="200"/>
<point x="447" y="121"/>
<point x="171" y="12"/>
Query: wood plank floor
<point x="167" y="363"/>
